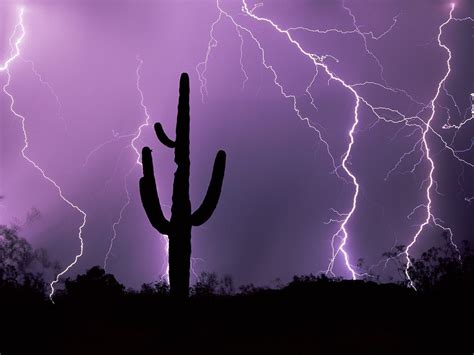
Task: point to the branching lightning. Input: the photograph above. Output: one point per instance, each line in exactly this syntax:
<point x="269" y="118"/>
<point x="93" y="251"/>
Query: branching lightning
<point x="382" y="114"/>
<point x="15" y="41"/>
<point x="135" y="137"/>
<point x="419" y="125"/>
<point x="318" y="62"/>
<point x="428" y="206"/>
<point x="50" y="88"/>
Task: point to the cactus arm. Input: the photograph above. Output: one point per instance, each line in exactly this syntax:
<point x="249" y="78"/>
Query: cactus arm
<point x="163" y="138"/>
<point x="149" y="195"/>
<point x="209" y="204"/>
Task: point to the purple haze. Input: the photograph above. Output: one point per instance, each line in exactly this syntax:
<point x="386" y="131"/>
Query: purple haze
<point x="279" y="187"/>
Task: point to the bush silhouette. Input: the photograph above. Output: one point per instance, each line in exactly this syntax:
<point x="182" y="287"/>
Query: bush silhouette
<point x="444" y="269"/>
<point x="94" y="285"/>
<point x="21" y="266"/>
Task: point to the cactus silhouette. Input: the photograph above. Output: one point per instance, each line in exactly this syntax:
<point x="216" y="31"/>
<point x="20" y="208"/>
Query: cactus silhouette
<point x="178" y="228"/>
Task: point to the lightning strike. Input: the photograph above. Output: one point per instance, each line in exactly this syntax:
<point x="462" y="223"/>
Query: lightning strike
<point x="50" y="87"/>
<point x="318" y="62"/>
<point x="341" y="166"/>
<point x="387" y="115"/>
<point x="135" y="137"/>
<point x="429" y="214"/>
<point x="15" y="45"/>
<point x="115" y="137"/>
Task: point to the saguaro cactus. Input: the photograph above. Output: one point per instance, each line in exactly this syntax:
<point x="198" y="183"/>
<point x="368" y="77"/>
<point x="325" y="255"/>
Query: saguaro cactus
<point x="178" y="228"/>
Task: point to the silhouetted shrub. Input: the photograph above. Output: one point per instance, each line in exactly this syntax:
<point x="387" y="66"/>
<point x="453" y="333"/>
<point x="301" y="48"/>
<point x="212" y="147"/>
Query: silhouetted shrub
<point x="208" y="283"/>
<point x="95" y="285"/>
<point x="226" y="286"/>
<point x="444" y="268"/>
<point x="160" y="288"/>
<point x="21" y="266"/>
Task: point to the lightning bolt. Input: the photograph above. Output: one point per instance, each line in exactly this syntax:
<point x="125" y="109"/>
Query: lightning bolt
<point x="135" y="137"/>
<point x="427" y="155"/>
<point x="341" y="166"/>
<point x="318" y="62"/>
<point x="383" y="114"/>
<point x="50" y="88"/>
<point x="15" y="42"/>
<point x="428" y="206"/>
<point x="115" y="137"/>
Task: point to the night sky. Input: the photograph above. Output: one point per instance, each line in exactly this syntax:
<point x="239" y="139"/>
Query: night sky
<point x="276" y="86"/>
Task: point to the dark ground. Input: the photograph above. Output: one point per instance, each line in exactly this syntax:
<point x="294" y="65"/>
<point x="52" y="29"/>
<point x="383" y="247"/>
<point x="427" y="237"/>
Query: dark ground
<point x="319" y="317"/>
<point x="94" y="314"/>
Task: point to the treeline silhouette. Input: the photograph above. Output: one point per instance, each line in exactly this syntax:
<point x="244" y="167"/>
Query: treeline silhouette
<point x="95" y="314"/>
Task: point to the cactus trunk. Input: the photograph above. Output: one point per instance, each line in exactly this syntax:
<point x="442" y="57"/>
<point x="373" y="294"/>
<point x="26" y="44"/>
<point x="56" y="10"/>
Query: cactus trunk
<point x="179" y="256"/>
<point x="180" y="237"/>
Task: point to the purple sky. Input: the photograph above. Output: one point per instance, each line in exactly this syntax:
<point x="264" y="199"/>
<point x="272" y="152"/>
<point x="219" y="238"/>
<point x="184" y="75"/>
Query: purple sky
<point x="279" y="186"/>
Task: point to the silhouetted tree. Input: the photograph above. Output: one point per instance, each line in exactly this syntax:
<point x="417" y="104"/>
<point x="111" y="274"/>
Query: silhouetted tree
<point x="95" y="284"/>
<point x="178" y="228"/>
<point x="161" y="288"/>
<point x="21" y="266"/>
<point x="206" y="284"/>
<point x="440" y="267"/>
<point x="226" y="286"/>
<point x="443" y="268"/>
<point x="210" y="284"/>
